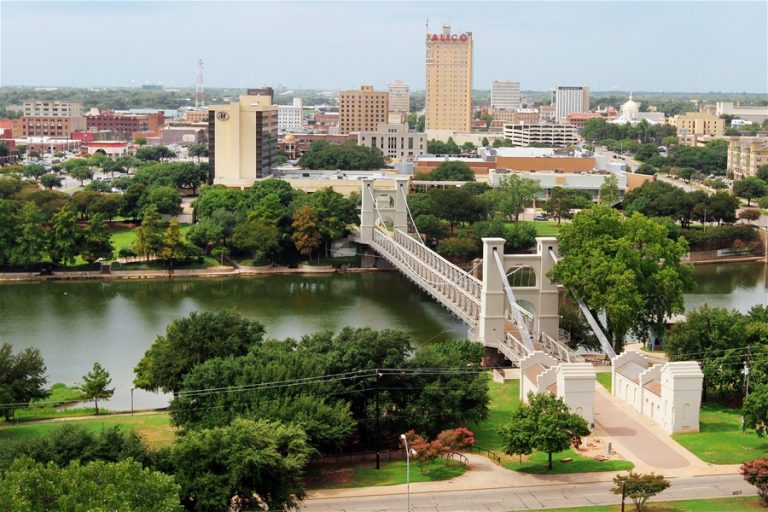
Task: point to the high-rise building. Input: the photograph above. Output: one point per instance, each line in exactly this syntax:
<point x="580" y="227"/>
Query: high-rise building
<point x="44" y="118"/>
<point x="242" y="138"/>
<point x="505" y="95"/>
<point x="570" y="99"/>
<point x="692" y="125"/>
<point x="363" y="110"/>
<point x="399" y="97"/>
<point x="290" y="118"/>
<point x="449" y="81"/>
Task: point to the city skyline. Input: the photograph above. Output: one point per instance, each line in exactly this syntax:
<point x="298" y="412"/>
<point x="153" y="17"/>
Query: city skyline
<point x="653" y="46"/>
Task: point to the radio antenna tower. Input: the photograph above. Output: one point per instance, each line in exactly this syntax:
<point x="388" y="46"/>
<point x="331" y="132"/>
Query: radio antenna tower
<point x="199" y="96"/>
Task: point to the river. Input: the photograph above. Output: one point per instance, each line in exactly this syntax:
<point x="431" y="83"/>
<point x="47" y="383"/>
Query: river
<point x="75" y="323"/>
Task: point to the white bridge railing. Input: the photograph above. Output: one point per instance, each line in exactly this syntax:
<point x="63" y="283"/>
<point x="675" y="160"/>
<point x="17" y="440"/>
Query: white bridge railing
<point x="559" y="350"/>
<point x="453" y="287"/>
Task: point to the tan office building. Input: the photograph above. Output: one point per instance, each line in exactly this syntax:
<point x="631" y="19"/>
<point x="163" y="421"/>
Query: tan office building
<point x="395" y="141"/>
<point x="363" y="110"/>
<point x="746" y="155"/>
<point x="399" y="97"/>
<point x="242" y="138"/>
<point x="692" y="125"/>
<point x="44" y="118"/>
<point x="449" y="81"/>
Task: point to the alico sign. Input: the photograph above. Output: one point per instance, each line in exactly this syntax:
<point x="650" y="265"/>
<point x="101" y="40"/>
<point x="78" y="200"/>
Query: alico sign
<point x="448" y="37"/>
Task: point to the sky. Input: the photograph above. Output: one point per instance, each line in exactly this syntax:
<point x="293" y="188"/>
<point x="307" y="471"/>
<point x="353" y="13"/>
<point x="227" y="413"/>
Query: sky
<point x="689" y="46"/>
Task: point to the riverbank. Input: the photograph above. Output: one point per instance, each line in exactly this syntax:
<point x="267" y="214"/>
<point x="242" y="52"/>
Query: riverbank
<point x="220" y="271"/>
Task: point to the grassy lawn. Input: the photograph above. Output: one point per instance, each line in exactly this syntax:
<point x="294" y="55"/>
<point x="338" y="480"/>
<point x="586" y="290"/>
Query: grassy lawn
<point x="714" y="505"/>
<point x="504" y="399"/>
<point x="154" y="428"/>
<point x="60" y="394"/>
<point x="544" y="227"/>
<point x="604" y="378"/>
<point x="392" y="472"/>
<point x="720" y="440"/>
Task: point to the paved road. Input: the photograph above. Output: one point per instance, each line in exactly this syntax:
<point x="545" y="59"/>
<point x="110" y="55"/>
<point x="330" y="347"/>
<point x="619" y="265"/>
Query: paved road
<point x="527" y="498"/>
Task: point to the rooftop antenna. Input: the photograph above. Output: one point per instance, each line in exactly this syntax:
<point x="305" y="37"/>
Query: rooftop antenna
<point x="427" y="25"/>
<point x="199" y="96"/>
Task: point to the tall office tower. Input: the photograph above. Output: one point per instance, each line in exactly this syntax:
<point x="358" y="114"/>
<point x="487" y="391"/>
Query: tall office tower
<point x="242" y="138"/>
<point x="399" y="97"/>
<point x="449" y="81"/>
<point x="570" y="99"/>
<point x="363" y="110"/>
<point x="505" y="95"/>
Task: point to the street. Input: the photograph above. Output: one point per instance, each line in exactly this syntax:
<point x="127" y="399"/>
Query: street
<point x="529" y="497"/>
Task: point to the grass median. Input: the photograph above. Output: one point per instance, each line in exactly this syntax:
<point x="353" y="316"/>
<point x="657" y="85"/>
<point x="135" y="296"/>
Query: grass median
<point x="713" y="505"/>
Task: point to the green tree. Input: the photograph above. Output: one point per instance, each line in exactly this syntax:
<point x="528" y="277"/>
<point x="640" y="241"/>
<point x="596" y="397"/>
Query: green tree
<point x="552" y="427"/>
<point x="347" y="156"/>
<point x="750" y="188"/>
<point x="456" y="205"/>
<point x="116" y="486"/>
<point x="22" y="377"/>
<point x="140" y="141"/>
<point x="31" y="243"/>
<point x="81" y="172"/>
<point x="165" y="199"/>
<point x="34" y="171"/>
<point x="756" y="410"/>
<point x="626" y="269"/>
<point x="248" y="464"/>
<point x="190" y="341"/>
<point x="559" y="204"/>
<point x="460" y="249"/>
<point x="639" y="487"/>
<point x="149" y="235"/>
<point x="609" y="190"/>
<point x="97" y="242"/>
<point x="198" y="150"/>
<point x="335" y="213"/>
<point x="512" y="195"/>
<point x="258" y="236"/>
<point x="306" y="235"/>
<point x="155" y="153"/>
<point x="65" y="237"/>
<point x="95" y="385"/>
<point x="50" y="181"/>
<point x="205" y="235"/>
<point x="173" y="249"/>
<point x="452" y="171"/>
<point x="431" y="228"/>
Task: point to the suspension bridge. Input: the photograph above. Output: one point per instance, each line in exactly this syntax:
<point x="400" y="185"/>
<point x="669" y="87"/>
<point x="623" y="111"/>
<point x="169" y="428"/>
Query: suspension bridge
<point x="512" y="320"/>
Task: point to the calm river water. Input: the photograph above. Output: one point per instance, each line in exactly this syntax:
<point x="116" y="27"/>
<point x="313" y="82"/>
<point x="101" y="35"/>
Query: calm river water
<point x="75" y="323"/>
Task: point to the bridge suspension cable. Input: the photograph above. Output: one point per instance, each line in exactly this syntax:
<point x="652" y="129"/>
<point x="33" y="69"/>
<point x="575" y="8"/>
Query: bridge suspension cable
<point x="601" y="337"/>
<point x="524" y="334"/>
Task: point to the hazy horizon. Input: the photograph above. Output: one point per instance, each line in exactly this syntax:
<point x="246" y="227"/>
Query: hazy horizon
<point x="608" y="46"/>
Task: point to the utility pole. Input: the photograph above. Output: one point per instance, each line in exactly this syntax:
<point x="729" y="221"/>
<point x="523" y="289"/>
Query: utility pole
<point x="378" y="431"/>
<point x="745" y="371"/>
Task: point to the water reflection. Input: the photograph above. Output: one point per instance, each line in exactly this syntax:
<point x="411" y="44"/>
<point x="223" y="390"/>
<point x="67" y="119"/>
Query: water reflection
<point x="729" y="285"/>
<point x="78" y="322"/>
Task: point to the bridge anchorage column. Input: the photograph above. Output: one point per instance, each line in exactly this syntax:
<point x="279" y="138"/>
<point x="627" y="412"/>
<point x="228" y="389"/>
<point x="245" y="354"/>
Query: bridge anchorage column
<point x="367" y="213"/>
<point x="401" y="205"/>
<point x="547" y="318"/>
<point x="492" y="298"/>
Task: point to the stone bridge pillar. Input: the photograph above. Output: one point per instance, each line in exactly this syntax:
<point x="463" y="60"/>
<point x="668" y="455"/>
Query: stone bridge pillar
<point x="400" y="219"/>
<point x="547" y="310"/>
<point x="492" y="299"/>
<point x="367" y="213"/>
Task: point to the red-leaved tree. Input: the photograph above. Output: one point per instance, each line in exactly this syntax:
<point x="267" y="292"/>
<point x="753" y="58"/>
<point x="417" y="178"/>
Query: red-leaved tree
<point x="756" y="473"/>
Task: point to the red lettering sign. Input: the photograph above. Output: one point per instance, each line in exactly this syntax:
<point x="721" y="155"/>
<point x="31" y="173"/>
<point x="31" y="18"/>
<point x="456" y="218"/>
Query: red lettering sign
<point x="447" y="37"/>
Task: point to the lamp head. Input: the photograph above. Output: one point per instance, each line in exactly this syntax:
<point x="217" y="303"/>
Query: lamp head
<point x="402" y="436"/>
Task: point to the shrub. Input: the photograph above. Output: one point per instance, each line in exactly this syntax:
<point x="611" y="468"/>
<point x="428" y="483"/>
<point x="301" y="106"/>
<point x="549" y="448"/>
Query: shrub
<point x="458" y="248"/>
<point x="719" y="237"/>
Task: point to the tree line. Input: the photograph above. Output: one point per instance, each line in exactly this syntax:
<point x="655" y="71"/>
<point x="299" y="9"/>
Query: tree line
<point x="271" y="220"/>
<point x="254" y="411"/>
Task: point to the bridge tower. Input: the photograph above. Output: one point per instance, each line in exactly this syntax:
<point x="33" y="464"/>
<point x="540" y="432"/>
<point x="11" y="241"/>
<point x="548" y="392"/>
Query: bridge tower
<point x="390" y="204"/>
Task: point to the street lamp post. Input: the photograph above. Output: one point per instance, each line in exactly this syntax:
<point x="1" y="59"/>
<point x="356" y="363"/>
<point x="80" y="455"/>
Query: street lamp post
<point x="407" y="472"/>
<point x="132" y="401"/>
